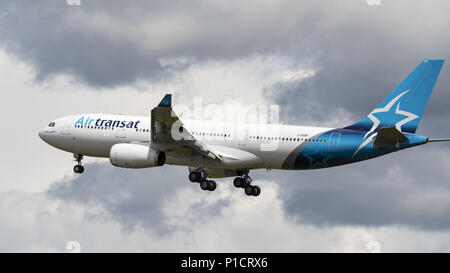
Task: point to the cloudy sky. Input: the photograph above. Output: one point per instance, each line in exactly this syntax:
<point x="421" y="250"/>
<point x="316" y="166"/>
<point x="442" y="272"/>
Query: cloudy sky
<point x="324" y="62"/>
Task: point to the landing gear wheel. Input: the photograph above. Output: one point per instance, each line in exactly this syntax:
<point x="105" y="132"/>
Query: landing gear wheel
<point x="204" y="185"/>
<point x="199" y="175"/>
<point x="256" y="190"/>
<point x="237" y="182"/>
<point x="195" y="176"/>
<point x="78" y="169"/>
<point x="253" y="190"/>
<point x="212" y="185"/>
<point x="245" y="182"/>
<point x="249" y="190"/>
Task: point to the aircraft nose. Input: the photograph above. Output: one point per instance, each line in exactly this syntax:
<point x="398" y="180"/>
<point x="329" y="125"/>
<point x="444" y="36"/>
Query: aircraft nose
<point x="42" y="135"/>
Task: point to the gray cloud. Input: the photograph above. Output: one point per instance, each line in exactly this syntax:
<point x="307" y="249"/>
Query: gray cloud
<point x="398" y="189"/>
<point x="56" y="38"/>
<point x="107" y="43"/>
<point x="361" y="50"/>
<point x="130" y="197"/>
<point x="361" y="53"/>
<point x="395" y="190"/>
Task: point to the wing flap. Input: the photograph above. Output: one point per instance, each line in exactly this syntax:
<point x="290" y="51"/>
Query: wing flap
<point x="168" y="132"/>
<point x="235" y="157"/>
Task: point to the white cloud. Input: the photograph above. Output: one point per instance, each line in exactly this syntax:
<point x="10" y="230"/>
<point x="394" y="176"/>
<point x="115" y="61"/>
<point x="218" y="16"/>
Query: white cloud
<point x="36" y="222"/>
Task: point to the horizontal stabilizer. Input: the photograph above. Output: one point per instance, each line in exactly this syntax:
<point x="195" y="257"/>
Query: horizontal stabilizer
<point x="388" y="136"/>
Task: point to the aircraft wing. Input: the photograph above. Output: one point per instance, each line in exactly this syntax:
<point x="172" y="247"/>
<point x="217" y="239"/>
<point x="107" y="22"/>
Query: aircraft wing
<point x="169" y="134"/>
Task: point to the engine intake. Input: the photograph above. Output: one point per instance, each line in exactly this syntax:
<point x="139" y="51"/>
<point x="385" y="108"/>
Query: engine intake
<point x="128" y="155"/>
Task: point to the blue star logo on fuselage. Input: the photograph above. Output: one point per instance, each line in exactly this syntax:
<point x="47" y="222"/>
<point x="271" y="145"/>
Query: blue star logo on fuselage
<point x="317" y="158"/>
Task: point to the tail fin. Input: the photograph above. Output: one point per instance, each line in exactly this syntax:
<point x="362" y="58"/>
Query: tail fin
<point x="404" y="107"/>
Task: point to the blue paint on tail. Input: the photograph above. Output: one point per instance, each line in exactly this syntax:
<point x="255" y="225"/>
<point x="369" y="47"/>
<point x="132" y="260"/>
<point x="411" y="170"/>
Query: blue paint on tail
<point x="402" y="109"/>
<point x="404" y="106"/>
<point x="166" y="101"/>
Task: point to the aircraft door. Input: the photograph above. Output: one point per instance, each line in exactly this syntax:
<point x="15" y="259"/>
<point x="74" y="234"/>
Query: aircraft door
<point x="121" y="133"/>
<point x="333" y="144"/>
<point x="67" y="127"/>
<point x="242" y="137"/>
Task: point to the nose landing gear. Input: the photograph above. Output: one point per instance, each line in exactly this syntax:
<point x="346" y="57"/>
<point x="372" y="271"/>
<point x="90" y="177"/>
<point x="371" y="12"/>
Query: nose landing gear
<point x="78" y="168"/>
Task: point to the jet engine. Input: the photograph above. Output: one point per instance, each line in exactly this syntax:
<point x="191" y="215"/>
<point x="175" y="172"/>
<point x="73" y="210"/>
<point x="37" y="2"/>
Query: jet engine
<point x="128" y="155"/>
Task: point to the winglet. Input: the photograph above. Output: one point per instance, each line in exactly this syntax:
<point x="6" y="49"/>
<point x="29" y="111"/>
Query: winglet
<point x="166" y="101"/>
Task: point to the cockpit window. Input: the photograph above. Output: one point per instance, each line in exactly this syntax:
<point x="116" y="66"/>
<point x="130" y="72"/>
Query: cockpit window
<point x="52" y="124"/>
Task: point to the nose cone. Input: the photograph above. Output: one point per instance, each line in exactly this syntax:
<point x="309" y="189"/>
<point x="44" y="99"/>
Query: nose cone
<point x="43" y="135"/>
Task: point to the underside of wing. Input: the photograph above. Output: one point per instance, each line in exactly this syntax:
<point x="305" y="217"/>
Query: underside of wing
<point x="169" y="134"/>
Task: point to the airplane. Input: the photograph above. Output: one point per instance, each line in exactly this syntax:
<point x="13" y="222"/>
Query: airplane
<point x="213" y="149"/>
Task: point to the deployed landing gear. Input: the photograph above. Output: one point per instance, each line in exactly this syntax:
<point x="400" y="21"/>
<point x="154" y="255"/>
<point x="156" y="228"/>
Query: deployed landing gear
<point x="245" y="182"/>
<point x="241" y="182"/>
<point x="199" y="176"/>
<point x="208" y="185"/>
<point x="252" y="190"/>
<point x="78" y="168"/>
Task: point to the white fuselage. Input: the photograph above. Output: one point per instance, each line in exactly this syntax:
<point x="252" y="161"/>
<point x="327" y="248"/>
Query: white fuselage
<point x="97" y="133"/>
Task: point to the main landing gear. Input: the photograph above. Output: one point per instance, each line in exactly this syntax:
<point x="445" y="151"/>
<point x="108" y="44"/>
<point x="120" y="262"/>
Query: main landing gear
<point x="199" y="176"/>
<point x="244" y="182"/>
<point x="78" y="168"/>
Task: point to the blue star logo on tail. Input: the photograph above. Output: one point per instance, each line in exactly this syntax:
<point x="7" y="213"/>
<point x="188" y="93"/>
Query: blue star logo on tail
<point x="387" y="113"/>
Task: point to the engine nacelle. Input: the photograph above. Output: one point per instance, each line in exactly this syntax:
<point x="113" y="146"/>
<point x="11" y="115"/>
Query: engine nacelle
<point x="128" y="155"/>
